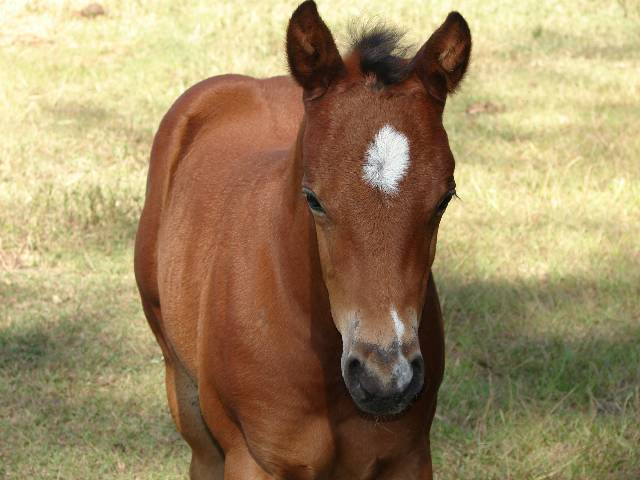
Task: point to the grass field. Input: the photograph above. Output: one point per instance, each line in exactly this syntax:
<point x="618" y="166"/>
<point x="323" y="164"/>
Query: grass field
<point x="538" y="264"/>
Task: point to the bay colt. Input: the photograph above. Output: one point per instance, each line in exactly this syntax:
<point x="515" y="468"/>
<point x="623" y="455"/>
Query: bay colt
<point x="284" y="257"/>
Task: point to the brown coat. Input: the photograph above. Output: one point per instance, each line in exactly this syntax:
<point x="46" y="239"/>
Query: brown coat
<point x="263" y="307"/>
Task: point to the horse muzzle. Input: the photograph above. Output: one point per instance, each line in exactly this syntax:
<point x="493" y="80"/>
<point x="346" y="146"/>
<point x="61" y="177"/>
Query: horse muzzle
<point x="383" y="381"/>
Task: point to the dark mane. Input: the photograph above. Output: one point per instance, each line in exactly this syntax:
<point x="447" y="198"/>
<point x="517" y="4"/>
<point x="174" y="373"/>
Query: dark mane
<point x="381" y="52"/>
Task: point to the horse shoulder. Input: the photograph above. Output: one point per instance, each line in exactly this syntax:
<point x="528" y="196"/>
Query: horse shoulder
<point x="199" y="148"/>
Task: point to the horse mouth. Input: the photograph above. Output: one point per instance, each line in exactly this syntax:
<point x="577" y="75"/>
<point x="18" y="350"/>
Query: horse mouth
<point x="392" y="405"/>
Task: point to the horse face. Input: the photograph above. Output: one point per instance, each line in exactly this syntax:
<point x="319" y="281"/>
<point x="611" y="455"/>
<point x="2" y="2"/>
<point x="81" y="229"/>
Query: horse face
<point x="378" y="174"/>
<point x="377" y="191"/>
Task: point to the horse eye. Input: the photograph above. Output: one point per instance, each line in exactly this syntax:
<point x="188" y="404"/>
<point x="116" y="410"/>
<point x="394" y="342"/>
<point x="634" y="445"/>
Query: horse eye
<point x="312" y="200"/>
<point x="442" y="206"/>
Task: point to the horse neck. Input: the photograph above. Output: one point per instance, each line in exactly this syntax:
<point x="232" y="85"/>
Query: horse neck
<point x="295" y="163"/>
<point x="300" y="255"/>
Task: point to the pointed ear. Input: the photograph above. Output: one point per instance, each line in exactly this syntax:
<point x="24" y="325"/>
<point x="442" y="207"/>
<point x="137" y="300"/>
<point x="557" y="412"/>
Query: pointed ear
<point x="443" y="59"/>
<point x="314" y="60"/>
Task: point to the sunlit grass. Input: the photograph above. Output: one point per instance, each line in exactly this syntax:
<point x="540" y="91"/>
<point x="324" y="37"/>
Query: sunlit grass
<point x="538" y="263"/>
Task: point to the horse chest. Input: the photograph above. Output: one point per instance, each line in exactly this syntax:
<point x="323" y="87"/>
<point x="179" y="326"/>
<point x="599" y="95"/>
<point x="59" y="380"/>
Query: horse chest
<point x="295" y="445"/>
<point x="295" y="414"/>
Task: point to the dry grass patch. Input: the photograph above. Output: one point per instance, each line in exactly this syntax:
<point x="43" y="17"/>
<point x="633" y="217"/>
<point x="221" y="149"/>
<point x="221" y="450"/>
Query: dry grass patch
<point x="538" y="264"/>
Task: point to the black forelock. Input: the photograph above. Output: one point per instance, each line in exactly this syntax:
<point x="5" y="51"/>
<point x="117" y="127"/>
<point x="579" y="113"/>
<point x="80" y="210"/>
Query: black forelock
<point x="381" y="52"/>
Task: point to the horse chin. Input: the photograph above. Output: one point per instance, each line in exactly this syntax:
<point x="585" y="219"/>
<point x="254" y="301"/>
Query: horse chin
<point x="389" y="407"/>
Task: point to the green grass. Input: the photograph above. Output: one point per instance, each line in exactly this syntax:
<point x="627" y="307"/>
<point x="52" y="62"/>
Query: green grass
<point x="538" y="265"/>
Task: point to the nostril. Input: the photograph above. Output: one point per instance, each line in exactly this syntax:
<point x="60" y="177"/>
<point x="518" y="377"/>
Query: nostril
<point x="417" y="365"/>
<point x="354" y="368"/>
<point x="354" y="364"/>
<point x="362" y="382"/>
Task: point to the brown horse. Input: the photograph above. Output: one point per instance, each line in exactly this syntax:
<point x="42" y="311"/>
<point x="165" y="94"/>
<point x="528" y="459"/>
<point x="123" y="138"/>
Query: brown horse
<point x="284" y="258"/>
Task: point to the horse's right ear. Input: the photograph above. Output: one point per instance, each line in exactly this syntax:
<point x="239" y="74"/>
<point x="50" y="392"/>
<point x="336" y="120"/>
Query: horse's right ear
<point x="314" y="60"/>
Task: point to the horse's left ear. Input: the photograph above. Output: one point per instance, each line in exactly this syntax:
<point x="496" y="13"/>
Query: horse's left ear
<point x="314" y="60"/>
<point x="443" y="59"/>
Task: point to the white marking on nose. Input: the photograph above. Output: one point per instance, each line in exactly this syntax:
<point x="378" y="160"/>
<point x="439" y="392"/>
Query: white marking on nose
<point x="387" y="160"/>
<point x="398" y="326"/>
<point x="402" y="373"/>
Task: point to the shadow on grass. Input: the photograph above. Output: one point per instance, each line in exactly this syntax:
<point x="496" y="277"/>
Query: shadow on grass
<point x="69" y="322"/>
<point x="570" y="340"/>
<point x="81" y="372"/>
<point x="88" y="372"/>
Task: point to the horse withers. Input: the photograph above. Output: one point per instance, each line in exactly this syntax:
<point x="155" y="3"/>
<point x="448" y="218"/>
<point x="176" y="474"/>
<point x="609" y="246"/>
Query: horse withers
<point x="284" y="257"/>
